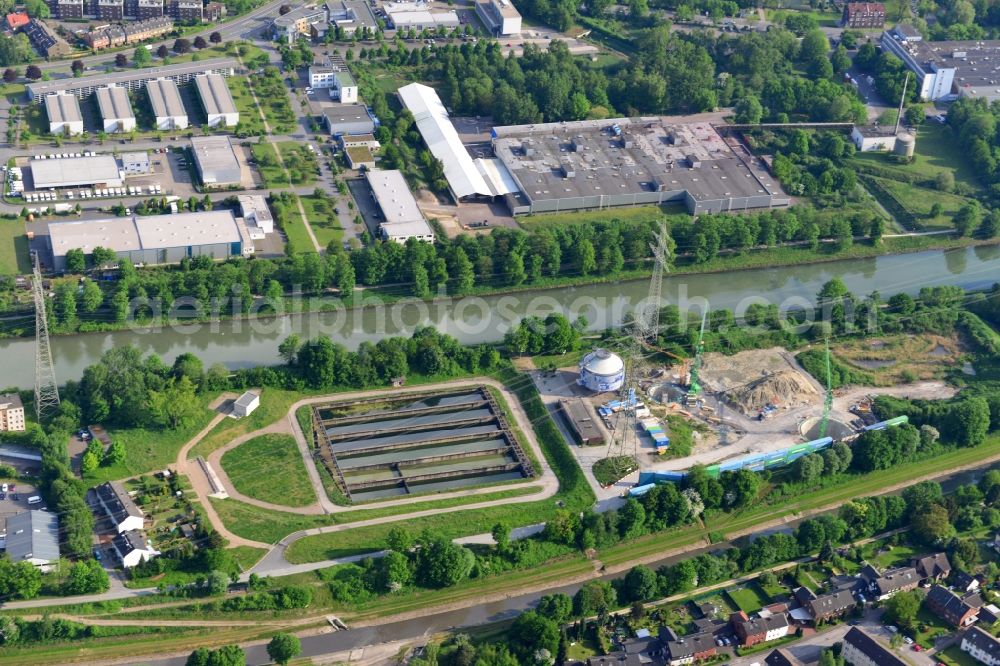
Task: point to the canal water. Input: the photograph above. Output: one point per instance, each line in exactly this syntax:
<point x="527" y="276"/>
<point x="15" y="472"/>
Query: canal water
<point x="249" y="343"/>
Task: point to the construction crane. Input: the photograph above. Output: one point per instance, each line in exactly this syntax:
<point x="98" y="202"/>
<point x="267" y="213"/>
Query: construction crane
<point x="46" y="390"/>
<point x="828" y="399"/>
<point x="694" y="386"/>
<point x="623" y="449"/>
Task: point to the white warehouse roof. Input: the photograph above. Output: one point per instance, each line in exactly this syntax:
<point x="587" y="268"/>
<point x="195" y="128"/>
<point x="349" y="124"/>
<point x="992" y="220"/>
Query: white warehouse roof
<point x="70" y="171"/>
<point x="393" y="196"/>
<point x="125" y="234"/>
<point x="442" y="139"/>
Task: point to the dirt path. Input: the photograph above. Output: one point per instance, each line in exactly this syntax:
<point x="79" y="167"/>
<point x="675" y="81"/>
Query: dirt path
<point x="200" y="484"/>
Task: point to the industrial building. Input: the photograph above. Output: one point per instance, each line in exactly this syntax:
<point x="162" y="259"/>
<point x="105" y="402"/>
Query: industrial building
<point x="597" y="164"/>
<point x="74" y="171"/>
<point x="418" y="16"/>
<point x="352" y="15"/>
<point x="33" y="537"/>
<point x="217" y="100"/>
<point x="465" y="180"/>
<point x="64" y="114"/>
<point x="116" y="111"/>
<point x="947" y="69"/>
<point x="873" y="138"/>
<point x="155" y="239"/>
<point x="601" y="371"/>
<point x="256" y="215"/>
<point x="401" y="217"/>
<point x="500" y="17"/>
<point x="581" y="420"/>
<point x="305" y="21"/>
<point x="135" y="164"/>
<point x="168" y="109"/>
<point x="348" y="119"/>
<point x="132" y="80"/>
<point x="216" y="161"/>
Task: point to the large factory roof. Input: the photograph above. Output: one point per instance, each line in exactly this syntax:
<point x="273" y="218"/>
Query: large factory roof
<point x="63" y="109"/>
<point x="625" y="156"/>
<point x="216" y="160"/>
<point x="393" y="196"/>
<point x="113" y="102"/>
<point x="442" y="139"/>
<point x="182" y="71"/>
<point x="165" y="98"/>
<point x="215" y="94"/>
<point x="124" y="234"/>
<point x="70" y="171"/>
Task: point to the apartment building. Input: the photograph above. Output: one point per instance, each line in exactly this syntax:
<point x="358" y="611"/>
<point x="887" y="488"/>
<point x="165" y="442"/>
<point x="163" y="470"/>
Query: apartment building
<point x="11" y="413"/>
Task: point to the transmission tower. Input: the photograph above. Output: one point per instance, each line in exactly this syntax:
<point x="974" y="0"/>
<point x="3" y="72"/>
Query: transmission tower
<point x="828" y="399"/>
<point x="694" y="387"/>
<point x="46" y="391"/>
<point x="624" y="444"/>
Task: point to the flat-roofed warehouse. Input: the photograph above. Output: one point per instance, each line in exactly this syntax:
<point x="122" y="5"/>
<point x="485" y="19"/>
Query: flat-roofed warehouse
<point x="581" y="420"/>
<point x="402" y="217"/>
<point x="64" y="114"/>
<point x="133" y="80"/>
<point x="154" y="239"/>
<point x="75" y="171"/>
<point x="116" y="110"/>
<point x="217" y="100"/>
<point x="216" y="161"/>
<point x="629" y="162"/>
<point x="168" y="109"/>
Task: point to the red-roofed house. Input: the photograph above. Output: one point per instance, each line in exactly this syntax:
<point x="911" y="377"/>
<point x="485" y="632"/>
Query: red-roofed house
<point x="17" y="20"/>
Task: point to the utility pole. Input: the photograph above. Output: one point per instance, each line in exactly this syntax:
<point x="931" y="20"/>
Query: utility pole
<point x="46" y="390"/>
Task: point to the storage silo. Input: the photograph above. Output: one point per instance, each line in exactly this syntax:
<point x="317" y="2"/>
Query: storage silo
<point x="602" y="371"/>
<point x="906" y="143"/>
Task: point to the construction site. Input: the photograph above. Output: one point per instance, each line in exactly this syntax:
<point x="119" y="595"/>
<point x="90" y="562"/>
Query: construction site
<point x="417" y="443"/>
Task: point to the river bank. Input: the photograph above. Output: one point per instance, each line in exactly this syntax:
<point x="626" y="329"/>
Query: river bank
<point x="244" y="343"/>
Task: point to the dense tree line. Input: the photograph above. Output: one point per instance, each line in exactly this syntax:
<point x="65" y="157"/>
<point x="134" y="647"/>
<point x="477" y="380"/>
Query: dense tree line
<point x="974" y="123"/>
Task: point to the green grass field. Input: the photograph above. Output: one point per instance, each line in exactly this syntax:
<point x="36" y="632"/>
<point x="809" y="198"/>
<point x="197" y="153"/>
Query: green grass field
<point x="625" y="214"/>
<point x="918" y="201"/>
<point x="937" y="150"/>
<point x="14" y="258"/>
<point x="300" y="162"/>
<point x="748" y="599"/>
<point x="270" y="468"/>
<point x="324" y="224"/>
<point x="295" y="229"/>
<point x="249" y="116"/>
<point x="270" y="169"/>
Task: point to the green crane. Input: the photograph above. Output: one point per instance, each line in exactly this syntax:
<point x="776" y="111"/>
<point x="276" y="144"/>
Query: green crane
<point x="694" y="388"/>
<point x="828" y="400"/>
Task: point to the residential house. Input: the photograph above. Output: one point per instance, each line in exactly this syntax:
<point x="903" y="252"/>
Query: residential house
<point x="859" y="15"/>
<point x="964" y="581"/>
<point x="981" y="646"/>
<point x="950" y="607"/>
<point x="830" y="606"/>
<point x="689" y="649"/>
<point x="133" y="547"/>
<point x="893" y="581"/>
<point x="752" y="631"/>
<point x="33" y="537"/>
<point x="860" y="649"/>
<point x="117" y="504"/>
<point x="989" y="615"/>
<point x="11" y="413"/>
<point x="782" y="657"/>
<point x="17" y="20"/>
<point x="932" y="568"/>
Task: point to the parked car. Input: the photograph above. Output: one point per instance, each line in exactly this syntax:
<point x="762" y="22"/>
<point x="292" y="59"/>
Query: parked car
<point x="3" y="488"/>
<point x="907" y="640"/>
<point x="917" y="648"/>
<point x="15" y="497"/>
<point x="3" y="496"/>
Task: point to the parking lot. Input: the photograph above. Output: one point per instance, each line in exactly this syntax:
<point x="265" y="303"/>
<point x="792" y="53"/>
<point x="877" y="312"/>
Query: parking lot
<point x="15" y="498"/>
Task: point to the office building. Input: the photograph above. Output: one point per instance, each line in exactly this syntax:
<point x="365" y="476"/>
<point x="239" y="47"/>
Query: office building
<point x="500" y="17"/>
<point x="11" y="413"/>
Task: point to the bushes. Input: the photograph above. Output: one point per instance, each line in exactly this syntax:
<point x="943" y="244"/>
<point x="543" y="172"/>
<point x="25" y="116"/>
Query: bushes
<point x="293" y="596"/>
<point x="814" y="362"/>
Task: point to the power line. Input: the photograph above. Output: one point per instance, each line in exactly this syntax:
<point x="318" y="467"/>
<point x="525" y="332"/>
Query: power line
<point x="46" y="389"/>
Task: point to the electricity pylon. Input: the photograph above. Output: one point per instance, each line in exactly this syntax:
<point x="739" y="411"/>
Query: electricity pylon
<point x="46" y="391"/>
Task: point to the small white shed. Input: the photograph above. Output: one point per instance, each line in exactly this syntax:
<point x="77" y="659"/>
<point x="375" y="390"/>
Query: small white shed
<point x="245" y="404"/>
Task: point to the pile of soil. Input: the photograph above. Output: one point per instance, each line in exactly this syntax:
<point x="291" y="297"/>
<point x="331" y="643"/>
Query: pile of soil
<point x="780" y="388"/>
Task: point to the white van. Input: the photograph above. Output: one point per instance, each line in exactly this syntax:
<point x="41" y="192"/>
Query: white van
<point x="34" y="499"/>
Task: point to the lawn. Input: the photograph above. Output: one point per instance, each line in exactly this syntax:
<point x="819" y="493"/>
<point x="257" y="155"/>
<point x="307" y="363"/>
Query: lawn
<point x="291" y="222"/>
<point x="270" y="169"/>
<point x="14" y="258"/>
<point x="937" y="150"/>
<point x="748" y="599"/>
<point x="149" y="450"/>
<point x="322" y="219"/>
<point x="953" y="656"/>
<point x="897" y="556"/>
<point x="285" y="481"/>
<point x="934" y="625"/>
<point x="918" y="201"/>
<point x="273" y="97"/>
<point x="250" y="121"/>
